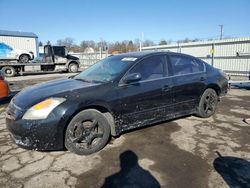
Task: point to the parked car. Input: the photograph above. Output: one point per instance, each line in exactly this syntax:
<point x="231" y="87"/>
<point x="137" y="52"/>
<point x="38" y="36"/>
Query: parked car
<point x="118" y="93"/>
<point x="9" y="53"/>
<point x="4" y="87"/>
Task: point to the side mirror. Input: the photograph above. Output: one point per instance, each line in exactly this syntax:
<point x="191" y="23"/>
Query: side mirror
<point x="134" y="77"/>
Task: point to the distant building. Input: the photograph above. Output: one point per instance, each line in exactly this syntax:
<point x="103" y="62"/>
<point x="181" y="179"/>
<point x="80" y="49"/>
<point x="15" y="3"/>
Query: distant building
<point x="20" y="40"/>
<point x="231" y="55"/>
<point x="89" y="50"/>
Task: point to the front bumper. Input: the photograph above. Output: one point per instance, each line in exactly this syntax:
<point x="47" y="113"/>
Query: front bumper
<point x="38" y="135"/>
<point x="47" y="134"/>
<point x="224" y="88"/>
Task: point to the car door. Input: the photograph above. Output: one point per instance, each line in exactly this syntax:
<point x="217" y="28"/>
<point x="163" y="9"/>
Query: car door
<point x="150" y="99"/>
<point x="188" y="82"/>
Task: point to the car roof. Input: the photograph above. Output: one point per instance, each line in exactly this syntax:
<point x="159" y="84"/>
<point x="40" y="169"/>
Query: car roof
<point x="147" y="53"/>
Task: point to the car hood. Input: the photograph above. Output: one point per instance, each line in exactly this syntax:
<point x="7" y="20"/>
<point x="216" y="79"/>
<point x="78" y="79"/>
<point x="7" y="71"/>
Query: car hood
<point x="71" y="57"/>
<point x="56" y="88"/>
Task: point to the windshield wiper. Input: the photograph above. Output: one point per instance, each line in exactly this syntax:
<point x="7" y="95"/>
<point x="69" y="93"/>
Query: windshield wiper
<point x="84" y="80"/>
<point x="98" y="81"/>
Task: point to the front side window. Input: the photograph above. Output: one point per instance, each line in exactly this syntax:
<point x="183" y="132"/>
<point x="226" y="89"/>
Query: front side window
<point x="184" y="65"/>
<point x="150" y="68"/>
<point x="59" y="51"/>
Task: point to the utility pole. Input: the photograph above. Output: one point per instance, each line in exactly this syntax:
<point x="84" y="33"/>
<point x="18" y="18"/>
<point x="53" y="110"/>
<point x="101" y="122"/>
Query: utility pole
<point x="141" y="41"/>
<point x="101" y="47"/>
<point x="221" y="31"/>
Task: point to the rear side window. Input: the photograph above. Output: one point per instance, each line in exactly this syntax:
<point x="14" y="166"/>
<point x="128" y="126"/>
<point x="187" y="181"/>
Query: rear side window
<point x="185" y="65"/>
<point x="151" y="67"/>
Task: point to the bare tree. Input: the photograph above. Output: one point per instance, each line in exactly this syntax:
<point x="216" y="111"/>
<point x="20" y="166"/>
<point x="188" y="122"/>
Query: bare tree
<point x="68" y="42"/>
<point x="163" y="42"/>
<point x="87" y="43"/>
<point x="148" y="43"/>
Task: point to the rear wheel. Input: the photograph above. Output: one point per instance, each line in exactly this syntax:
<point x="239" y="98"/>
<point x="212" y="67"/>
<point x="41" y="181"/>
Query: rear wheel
<point x="87" y="133"/>
<point x="9" y="71"/>
<point x="73" y="67"/>
<point x="208" y="103"/>
<point x="24" y="58"/>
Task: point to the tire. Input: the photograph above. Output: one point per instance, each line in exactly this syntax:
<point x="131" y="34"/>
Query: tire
<point x="87" y="133"/>
<point x="73" y="68"/>
<point x="8" y="71"/>
<point x="24" y="58"/>
<point x="208" y="103"/>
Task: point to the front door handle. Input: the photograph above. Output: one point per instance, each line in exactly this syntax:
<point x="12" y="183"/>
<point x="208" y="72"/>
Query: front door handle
<point x="202" y="78"/>
<point x="166" y="88"/>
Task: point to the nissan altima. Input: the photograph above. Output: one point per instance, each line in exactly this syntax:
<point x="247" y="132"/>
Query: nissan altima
<point x="118" y="93"/>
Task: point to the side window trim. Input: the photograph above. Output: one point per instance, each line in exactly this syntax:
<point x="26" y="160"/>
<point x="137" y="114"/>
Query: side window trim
<point x="169" y="69"/>
<point x="120" y="83"/>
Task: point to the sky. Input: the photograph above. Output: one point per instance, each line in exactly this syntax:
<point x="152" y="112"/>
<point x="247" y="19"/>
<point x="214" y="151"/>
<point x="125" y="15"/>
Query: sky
<point x="113" y="20"/>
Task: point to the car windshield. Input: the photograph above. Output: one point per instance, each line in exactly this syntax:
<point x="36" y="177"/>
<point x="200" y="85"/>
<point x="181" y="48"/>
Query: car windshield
<point x="3" y="45"/>
<point x="105" y="70"/>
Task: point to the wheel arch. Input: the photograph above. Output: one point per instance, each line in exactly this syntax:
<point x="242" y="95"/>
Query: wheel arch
<point x="101" y="108"/>
<point x="24" y="54"/>
<point x="214" y="87"/>
<point x="74" y="62"/>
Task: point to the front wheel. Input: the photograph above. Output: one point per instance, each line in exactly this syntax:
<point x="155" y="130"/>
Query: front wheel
<point x="73" y="68"/>
<point x="24" y="58"/>
<point x="208" y="103"/>
<point x="87" y="133"/>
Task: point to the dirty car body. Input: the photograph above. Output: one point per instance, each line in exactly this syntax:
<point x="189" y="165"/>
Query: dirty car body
<point x="136" y="89"/>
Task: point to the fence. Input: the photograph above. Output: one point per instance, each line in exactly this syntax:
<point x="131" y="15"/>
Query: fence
<point x="230" y="55"/>
<point x="88" y="59"/>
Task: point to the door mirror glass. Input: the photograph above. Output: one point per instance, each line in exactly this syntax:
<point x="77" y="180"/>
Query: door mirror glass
<point x="134" y="77"/>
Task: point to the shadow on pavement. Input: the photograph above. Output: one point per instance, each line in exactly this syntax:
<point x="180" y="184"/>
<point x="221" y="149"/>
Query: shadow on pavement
<point x="131" y="174"/>
<point x="235" y="171"/>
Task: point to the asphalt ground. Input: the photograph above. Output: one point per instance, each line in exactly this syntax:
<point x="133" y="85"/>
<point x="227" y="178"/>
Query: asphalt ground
<point x="186" y="152"/>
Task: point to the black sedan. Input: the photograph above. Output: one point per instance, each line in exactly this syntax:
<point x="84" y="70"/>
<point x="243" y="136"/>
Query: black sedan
<point x="119" y="93"/>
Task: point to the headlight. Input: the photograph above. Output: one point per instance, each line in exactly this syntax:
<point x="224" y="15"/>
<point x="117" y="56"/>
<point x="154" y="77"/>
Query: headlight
<point x="42" y="109"/>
